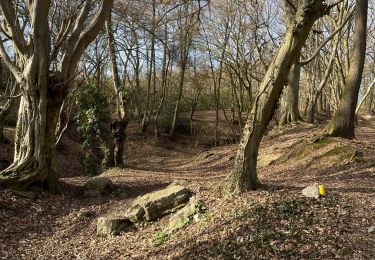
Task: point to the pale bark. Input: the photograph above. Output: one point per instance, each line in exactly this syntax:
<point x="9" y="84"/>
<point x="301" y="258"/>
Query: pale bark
<point x="368" y="92"/>
<point x="35" y="163"/>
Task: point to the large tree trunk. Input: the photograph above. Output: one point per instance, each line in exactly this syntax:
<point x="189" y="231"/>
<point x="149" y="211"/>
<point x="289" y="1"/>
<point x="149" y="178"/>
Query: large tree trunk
<point x="289" y="110"/>
<point x="35" y="162"/>
<point x="43" y="92"/>
<point x="244" y="175"/>
<point x="289" y="102"/>
<point x="342" y="123"/>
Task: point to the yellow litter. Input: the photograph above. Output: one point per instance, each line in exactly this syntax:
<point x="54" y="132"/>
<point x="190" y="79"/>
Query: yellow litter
<point x="322" y="190"/>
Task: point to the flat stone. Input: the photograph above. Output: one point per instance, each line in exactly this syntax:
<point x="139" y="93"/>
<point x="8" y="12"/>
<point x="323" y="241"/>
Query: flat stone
<point x="311" y="191"/>
<point x="112" y="226"/>
<point x="98" y="186"/>
<point x="159" y="203"/>
<point x="183" y="216"/>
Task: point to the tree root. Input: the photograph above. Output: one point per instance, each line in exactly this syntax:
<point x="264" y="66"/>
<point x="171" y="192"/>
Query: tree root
<point x="24" y="176"/>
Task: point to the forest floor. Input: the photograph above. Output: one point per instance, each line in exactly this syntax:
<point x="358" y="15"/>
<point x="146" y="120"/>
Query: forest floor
<point x="274" y="222"/>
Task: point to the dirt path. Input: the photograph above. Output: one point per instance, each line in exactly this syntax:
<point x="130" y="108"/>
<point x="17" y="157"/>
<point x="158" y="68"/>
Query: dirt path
<point x="63" y="227"/>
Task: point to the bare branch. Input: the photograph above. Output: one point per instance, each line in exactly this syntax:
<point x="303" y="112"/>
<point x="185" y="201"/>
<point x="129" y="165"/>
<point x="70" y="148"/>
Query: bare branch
<point x="10" y="64"/>
<point x="317" y="51"/>
<point x="12" y="26"/>
<point x="89" y="34"/>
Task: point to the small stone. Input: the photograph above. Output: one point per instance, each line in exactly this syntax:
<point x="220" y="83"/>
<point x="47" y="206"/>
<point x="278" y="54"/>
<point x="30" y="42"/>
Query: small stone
<point x="98" y="186"/>
<point x="371" y="229"/>
<point x="111" y="226"/>
<point x="311" y="191"/>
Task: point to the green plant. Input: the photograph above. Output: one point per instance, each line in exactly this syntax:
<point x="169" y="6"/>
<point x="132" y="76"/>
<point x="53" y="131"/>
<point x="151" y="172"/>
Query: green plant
<point x="209" y="217"/>
<point x="159" y="238"/>
<point x="92" y="111"/>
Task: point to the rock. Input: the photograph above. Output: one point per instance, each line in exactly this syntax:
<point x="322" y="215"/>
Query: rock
<point x="159" y="203"/>
<point x="371" y="229"/>
<point x="112" y="226"/>
<point x="183" y="216"/>
<point x="311" y="191"/>
<point x="98" y="186"/>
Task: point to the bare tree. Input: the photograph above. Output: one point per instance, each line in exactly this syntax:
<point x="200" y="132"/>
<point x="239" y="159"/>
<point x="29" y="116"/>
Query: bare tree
<point x="119" y="122"/>
<point x="44" y="66"/>
<point x="244" y="175"/>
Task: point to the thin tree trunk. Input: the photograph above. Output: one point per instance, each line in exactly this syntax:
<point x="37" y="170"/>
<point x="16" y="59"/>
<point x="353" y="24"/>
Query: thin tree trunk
<point x="311" y="107"/>
<point x="119" y="123"/>
<point x="372" y="85"/>
<point x="177" y="106"/>
<point x="164" y="78"/>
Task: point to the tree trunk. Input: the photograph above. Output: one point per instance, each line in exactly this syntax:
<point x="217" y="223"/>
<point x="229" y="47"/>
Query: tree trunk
<point x="43" y="92"/>
<point x="342" y="123"/>
<point x="365" y="95"/>
<point x="177" y="107"/>
<point x="244" y="175"/>
<point x="35" y="162"/>
<point x="193" y="107"/>
<point x="311" y="107"/>
<point x="290" y="112"/>
<point x="119" y="123"/>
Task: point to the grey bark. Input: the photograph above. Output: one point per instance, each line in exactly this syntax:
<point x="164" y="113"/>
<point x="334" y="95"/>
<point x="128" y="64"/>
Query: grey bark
<point x="343" y="122"/>
<point x="244" y="176"/>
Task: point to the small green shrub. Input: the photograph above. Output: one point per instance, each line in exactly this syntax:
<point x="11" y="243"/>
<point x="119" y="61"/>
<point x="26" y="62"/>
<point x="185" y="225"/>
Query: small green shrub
<point x="159" y="238"/>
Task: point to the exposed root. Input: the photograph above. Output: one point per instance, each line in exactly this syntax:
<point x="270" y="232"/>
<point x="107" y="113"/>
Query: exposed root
<point x="25" y="176"/>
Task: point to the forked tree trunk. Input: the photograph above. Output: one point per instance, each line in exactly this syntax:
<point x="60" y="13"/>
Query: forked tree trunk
<point x="244" y="175"/>
<point x="289" y="110"/>
<point x="343" y="121"/>
<point x="43" y="92"/>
